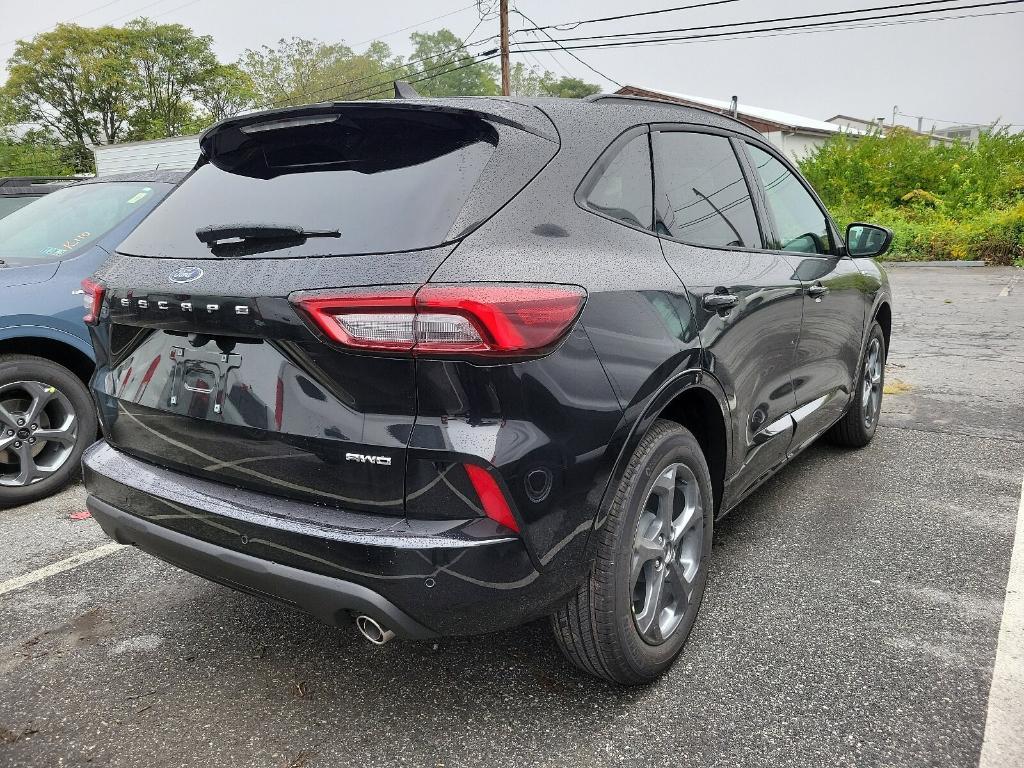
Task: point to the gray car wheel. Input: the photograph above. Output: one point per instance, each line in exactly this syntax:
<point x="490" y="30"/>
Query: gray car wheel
<point x="630" y="619"/>
<point x="46" y="422"/>
<point x="859" y="423"/>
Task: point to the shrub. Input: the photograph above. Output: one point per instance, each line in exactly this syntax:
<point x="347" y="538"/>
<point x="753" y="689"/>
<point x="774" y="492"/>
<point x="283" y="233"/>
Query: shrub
<point x="950" y="201"/>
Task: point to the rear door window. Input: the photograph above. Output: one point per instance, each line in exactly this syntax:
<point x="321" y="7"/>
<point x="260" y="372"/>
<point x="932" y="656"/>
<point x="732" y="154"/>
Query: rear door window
<point x="800" y="224"/>
<point x="701" y="195"/>
<point x="622" y="191"/>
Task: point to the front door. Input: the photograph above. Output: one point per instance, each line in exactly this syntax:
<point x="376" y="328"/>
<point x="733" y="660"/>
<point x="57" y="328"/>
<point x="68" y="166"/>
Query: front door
<point x="747" y="300"/>
<point x="834" y="301"/>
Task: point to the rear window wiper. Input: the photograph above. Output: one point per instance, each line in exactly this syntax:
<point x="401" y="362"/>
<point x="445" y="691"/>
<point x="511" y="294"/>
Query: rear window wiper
<point x="222" y="233"/>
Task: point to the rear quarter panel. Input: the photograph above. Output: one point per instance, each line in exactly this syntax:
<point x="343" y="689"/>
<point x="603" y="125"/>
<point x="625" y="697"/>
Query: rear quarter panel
<point x="636" y="332"/>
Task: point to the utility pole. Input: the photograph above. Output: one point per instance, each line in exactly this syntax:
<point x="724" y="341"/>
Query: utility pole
<point x="505" y="78"/>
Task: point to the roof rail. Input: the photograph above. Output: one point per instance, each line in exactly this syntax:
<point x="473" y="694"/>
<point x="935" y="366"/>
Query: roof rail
<point x="627" y="98"/>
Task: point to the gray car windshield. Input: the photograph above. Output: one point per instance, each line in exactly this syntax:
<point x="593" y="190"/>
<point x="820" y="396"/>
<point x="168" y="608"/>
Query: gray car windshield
<point x="63" y="223"/>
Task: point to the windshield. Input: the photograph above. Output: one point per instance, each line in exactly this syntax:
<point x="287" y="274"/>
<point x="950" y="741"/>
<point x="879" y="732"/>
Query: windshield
<point x="64" y="222"/>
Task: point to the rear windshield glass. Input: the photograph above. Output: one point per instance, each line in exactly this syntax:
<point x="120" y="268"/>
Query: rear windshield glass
<point x="9" y="205"/>
<point x="63" y="223"/>
<point x="362" y="181"/>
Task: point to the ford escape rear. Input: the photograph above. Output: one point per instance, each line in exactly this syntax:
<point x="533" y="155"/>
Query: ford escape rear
<point x="452" y="365"/>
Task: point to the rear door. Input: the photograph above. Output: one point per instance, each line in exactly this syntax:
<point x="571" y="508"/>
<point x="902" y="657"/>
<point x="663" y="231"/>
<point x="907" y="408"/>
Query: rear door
<point x="834" y="302"/>
<point x="747" y="299"/>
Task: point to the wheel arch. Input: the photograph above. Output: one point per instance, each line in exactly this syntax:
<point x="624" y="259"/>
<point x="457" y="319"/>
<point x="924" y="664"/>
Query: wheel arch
<point x="695" y="400"/>
<point x="883" y="314"/>
<point x="62" y="348"/>
<point x="698" y="410"/>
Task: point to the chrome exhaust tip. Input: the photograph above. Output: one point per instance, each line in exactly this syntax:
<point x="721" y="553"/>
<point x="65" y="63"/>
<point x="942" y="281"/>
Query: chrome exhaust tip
<point x="372" y="630"/>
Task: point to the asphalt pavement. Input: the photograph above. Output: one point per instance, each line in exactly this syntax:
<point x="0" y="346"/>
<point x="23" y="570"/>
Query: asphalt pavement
<point x="852" y="616"/>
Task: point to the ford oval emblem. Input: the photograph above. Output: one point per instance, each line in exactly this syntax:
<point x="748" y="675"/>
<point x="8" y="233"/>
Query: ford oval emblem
<point x="186" y="274"/>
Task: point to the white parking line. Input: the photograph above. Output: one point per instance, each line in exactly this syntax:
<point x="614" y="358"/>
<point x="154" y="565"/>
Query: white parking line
<point x="1003" y="744"/>
<point x="59" y="567"/>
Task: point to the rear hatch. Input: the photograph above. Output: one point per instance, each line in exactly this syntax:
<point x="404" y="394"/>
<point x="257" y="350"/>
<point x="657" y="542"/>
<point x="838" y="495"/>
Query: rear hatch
<point x="208" y="367"/>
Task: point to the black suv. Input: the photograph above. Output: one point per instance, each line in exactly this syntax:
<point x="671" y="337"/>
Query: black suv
<point x="446" y="366"/>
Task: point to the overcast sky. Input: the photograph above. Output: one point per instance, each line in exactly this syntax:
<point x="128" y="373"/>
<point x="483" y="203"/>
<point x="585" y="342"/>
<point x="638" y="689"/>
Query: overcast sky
<point x="962" y="70"/>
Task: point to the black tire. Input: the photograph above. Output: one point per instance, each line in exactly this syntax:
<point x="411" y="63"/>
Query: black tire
<point x="58" y="459"/>
<point x="859" y="423"/>
<point x="597" y="629"/>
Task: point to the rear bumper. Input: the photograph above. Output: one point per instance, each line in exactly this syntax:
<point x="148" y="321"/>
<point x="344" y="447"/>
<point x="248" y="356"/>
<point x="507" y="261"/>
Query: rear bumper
<point x="421" y="578"/>
<point x="329" y="599"/>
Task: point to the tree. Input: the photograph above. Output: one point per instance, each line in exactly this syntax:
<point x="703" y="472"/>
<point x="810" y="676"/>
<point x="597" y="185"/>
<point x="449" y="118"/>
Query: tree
<point x="174" y="67"/>
<point x="567" y="87"/>
<point x="300" y="71"/>
<point x="448" y="69"/>
<point x="79" y="83"/>
<point x="87" y="86"/>
<point x="25" y="151"/>
<point x="227" y="92"/>
<point x="524" y="81"/>
<point x="528" y="81"/>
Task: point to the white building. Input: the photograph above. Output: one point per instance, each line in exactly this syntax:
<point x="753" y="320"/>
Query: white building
<point x="968" y="134"/>
<point x="879" y="126"/>
<point x="178" y="153"/>
<point x="795" y="135"/>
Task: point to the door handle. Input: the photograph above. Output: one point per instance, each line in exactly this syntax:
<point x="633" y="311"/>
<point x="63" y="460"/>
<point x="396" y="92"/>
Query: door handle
<point x="719" y="302"/>
<point x="816" y="291"/>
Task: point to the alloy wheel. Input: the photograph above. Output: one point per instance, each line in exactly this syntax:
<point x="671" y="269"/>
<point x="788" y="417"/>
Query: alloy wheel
<point x="38" y="429"/>
<point x="871" y="385"/>
<point x="666" y="555"/>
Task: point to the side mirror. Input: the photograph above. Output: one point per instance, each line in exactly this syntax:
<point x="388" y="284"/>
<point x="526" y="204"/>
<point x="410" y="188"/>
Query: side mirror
<point x="864" y="241"/>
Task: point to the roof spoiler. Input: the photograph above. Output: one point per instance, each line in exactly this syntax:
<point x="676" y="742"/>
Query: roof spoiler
<point x="519" y="116"/>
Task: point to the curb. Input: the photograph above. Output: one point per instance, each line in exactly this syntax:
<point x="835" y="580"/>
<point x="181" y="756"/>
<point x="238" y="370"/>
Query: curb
<point x="891" y="264"/>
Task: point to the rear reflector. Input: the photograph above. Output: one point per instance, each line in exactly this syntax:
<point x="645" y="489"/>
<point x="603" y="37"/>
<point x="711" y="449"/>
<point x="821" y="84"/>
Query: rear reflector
<point x="493" y="500"/>
<point x="473" y="318"/>
<point x="92" y="300"/>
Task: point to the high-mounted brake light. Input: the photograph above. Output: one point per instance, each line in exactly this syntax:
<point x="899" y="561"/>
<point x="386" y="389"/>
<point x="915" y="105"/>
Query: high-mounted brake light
<point x="474" y="318"/>
<point x="92" y="300"/>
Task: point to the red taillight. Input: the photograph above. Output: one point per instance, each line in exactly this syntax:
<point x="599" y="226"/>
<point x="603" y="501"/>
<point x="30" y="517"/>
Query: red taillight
<point x="381" y="319"/>
<point x="493" y="500"/>
<point x="473" y="318"/>
<point x="92" y="300"/>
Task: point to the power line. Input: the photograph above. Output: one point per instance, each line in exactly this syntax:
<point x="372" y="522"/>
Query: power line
<point x="414" y="26"/>
<point x="391" y="70"/>
<point x="573" y="24"/>
<point x="386" y="89"/>
<point x="75" y="18"/>
<point x="961" y="122"/>
<point x="818" y="24"/>
<point x="72" y="18"/>
<point x="163" y="13"/>
<point x="375" y="75"/>
<point x="840" y="27"/>
<point x="558" y="62"/>
<point x="581" y="61"/>
<point x="846" y="27"/>
<point x="803" y="17"/>
<point x="444" y="65"/>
